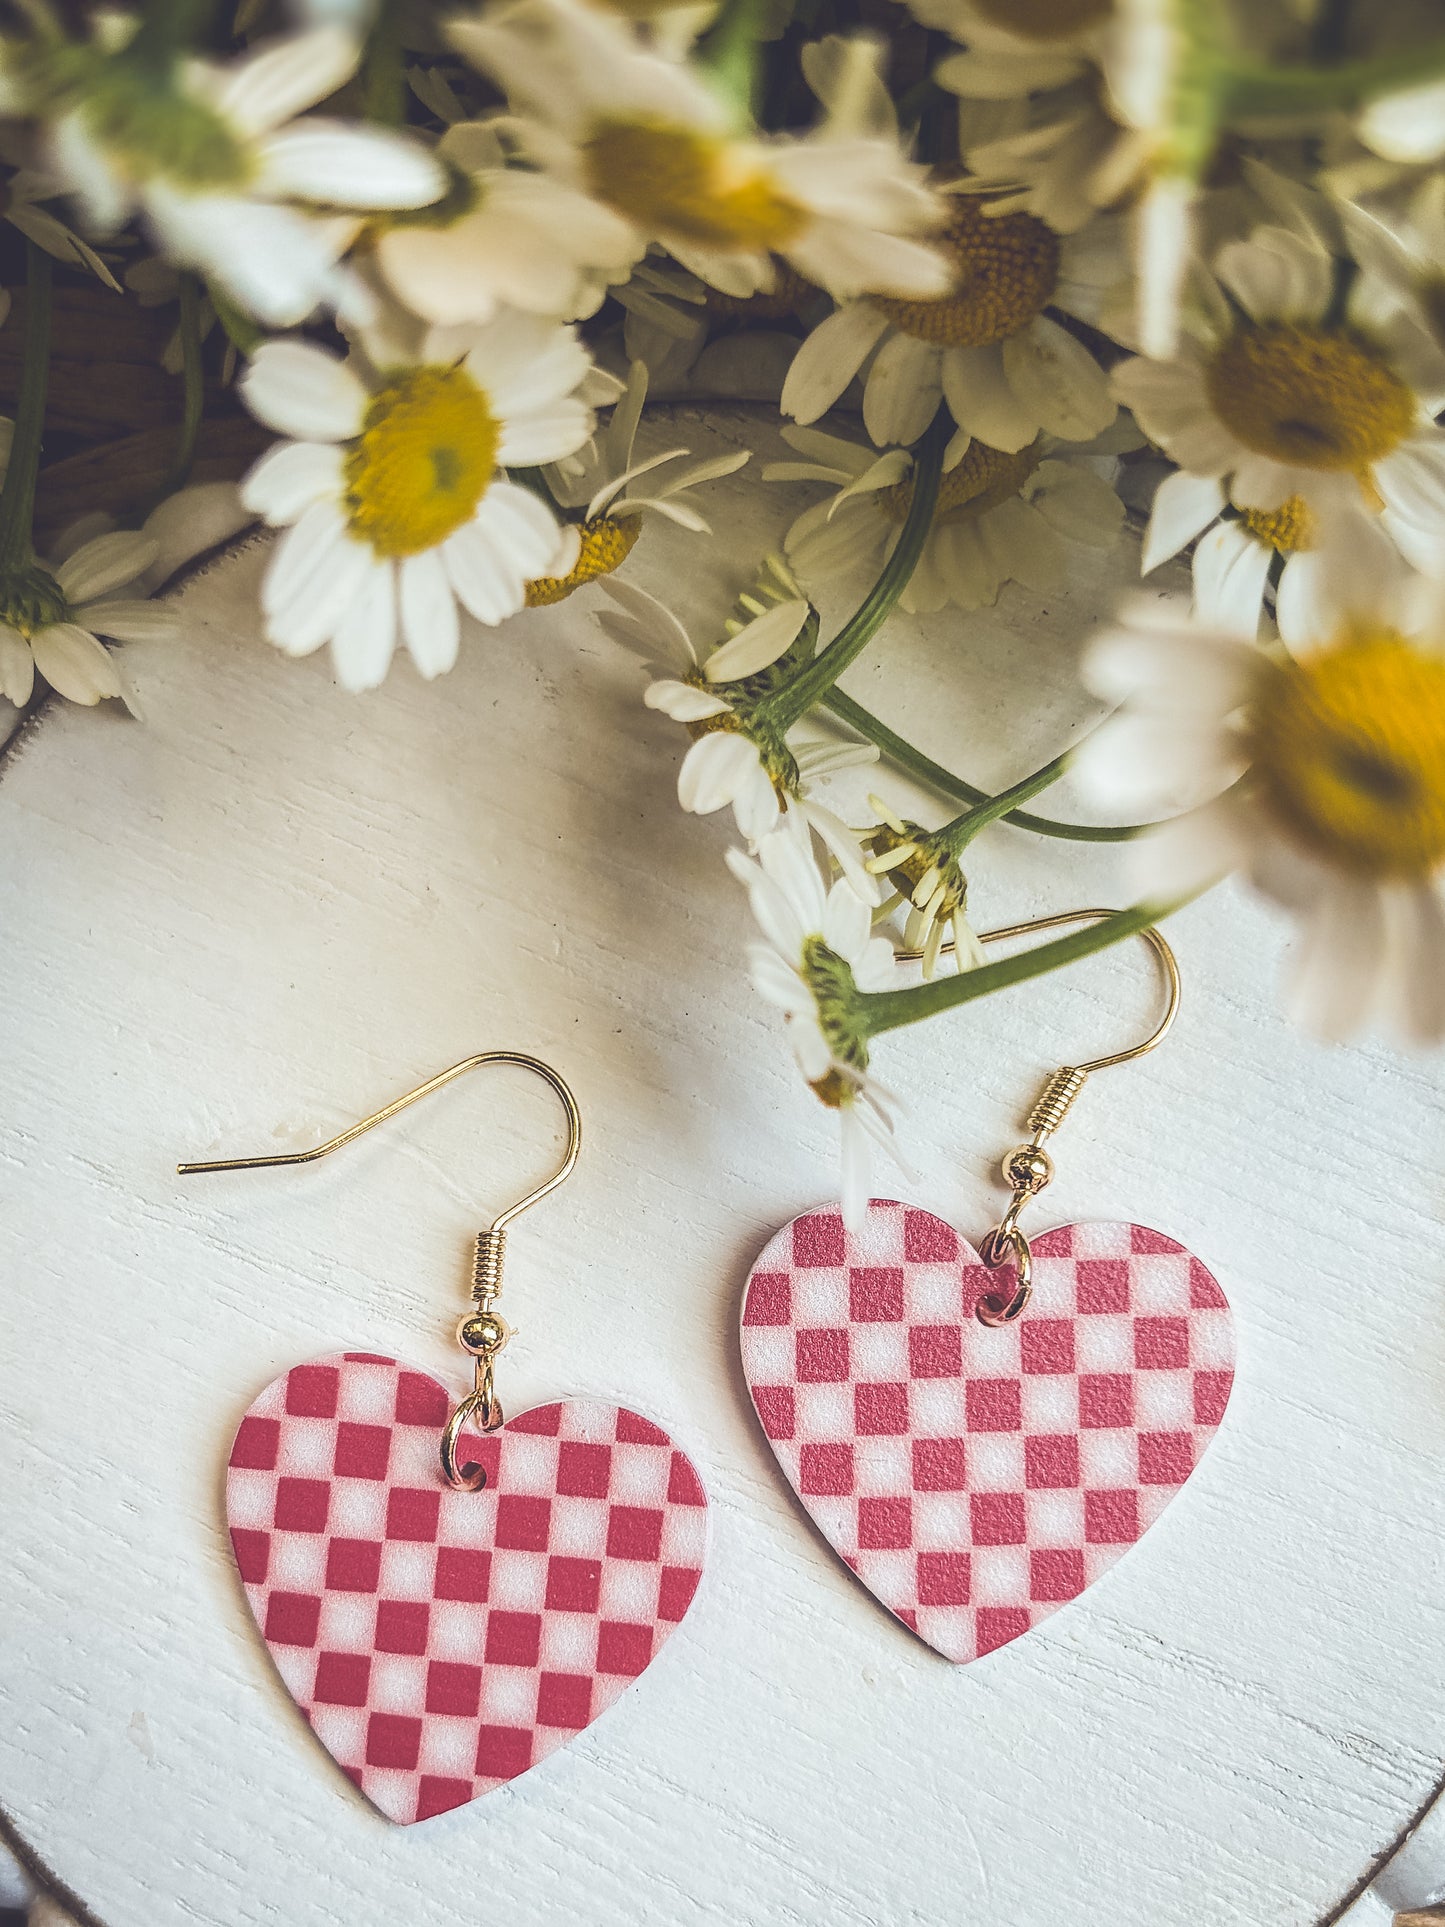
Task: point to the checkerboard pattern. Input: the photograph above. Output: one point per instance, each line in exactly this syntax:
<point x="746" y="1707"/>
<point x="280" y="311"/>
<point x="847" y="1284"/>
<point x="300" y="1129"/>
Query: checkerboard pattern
<point x="442" y="1642"/>
<point x="976" y="1477"/>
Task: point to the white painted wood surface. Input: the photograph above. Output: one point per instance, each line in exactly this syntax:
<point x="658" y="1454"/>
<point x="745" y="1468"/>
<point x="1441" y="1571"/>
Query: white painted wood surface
<point x="276" y="906"/>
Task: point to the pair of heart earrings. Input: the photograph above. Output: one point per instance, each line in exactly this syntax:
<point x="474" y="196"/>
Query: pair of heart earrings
<point x="450" y="1595"/>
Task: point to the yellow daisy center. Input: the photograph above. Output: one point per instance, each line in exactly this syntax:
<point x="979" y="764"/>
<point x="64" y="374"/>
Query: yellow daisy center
<point x="423" y="461"/>
<point x="1309" y="398"/>
<point x="1006" y="267"/>
<point x="984" y="478"/>
<point x="1289" y="528"/>
<point x="1349" y="749"/>
<point x="606" y="545"/>
<point x="1044" y="19"/>
<point x="672" y="181"/>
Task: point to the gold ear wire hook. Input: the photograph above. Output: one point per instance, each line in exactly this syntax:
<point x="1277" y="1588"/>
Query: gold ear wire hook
<point x="1028" y="1167"/>
<point x="483" y="1332"/>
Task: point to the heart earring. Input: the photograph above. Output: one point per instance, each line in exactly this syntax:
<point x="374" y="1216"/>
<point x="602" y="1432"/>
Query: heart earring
<point x="979" y="1456"/>
<point x="449" y="1595"/>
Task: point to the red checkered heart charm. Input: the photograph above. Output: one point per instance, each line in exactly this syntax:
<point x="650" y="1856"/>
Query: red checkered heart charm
<point x="976" y="1477"/>
<point x="442" y="1642"/>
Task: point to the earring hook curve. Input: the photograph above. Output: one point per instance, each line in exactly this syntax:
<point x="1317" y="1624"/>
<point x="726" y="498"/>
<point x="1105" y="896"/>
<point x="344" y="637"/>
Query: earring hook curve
<point x="484" y="1333"/>
<point x="519" y="1058"/>
<point x="1151" y="935"/>
<point x="1028" y="1168"/>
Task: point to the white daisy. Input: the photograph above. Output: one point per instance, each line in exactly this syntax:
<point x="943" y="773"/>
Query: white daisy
<point x="52" y="619"/>
<point x="820" y="954"/>
<point x="925" y="874"/>
<point x="598" y="480"/>
<point x="735" y="758"/>
<point x="219" y="165"/>
<point x="394" y="493"/>
<point x="1322" y="778"/>
<point x="1281" y="402"/>
<point x="1000" y="517"/>
<point x="1128" y="117"/>
<point x="1060" y="155"/>
<point x="1006" y="371"/>
<point x="1239" y="556"/>
<point x="504" y="236"/>
<point x="649" y="138"/>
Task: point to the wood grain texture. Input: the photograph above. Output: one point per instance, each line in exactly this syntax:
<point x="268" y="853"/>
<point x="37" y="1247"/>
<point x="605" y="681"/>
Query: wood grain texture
<point x="274" y="907"/>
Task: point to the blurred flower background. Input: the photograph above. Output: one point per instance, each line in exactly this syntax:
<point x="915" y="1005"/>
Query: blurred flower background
<point x="1016" y="280"/>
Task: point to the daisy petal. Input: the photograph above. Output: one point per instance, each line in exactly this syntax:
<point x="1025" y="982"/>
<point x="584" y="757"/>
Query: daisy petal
<point x="647" y="626"/>
<point x="289" y="478"/>
<point x="1230" y="572"/>
<point x="1419" y="919"/>
<point x="1183" y="505"/>
<point x="854" y="1179"/>
<point x="130" y="621"/>
<point x="758" y="643"/>
<point x="284" y="75"/>
<point x="302" y="391"/>
<point x="903" y="390"/>
<point x="829" y="359"/>
<point x="487" y="586"/>
<point x="717" y="768"/>
<point x="1337" y="970"/>
<point x="1058" y="381"/>
<point x="1277" y="276"/>
<point x="365" y="637"/>
<point x="843" y="845"/>
<point x="75" y="664"/>
<point x="982" y="399"/>
<point x="277" y="261"/>
<point x="524" y="525"/>
<point x="1305" y="612"/>
<point x="316" y="571"/>
<point x="337" y="164"/>
<point x="108" y="562"/>
<point x="17" y="667"/>
<point x="1190" y="852"/>
<point x="428" y="611"/>
<point x="682" y="702"/>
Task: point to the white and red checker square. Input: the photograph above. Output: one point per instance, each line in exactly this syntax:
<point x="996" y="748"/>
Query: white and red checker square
<point x="442" y="1642"/>
<point x="976" y="1477"/>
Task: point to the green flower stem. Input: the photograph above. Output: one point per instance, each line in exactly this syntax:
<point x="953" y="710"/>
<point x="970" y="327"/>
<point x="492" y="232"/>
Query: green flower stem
<point x="1251" y="92"/>
<point x="900" y="751"/>
<point x="883" y="1010"/>
<point x="193" y="376"/>
<point x="729" y="53"/>
<point x="965" y="827"/>
<point x="812" y="683"/>
<point x="383" y="69"/>
<point x="17" y="498"/>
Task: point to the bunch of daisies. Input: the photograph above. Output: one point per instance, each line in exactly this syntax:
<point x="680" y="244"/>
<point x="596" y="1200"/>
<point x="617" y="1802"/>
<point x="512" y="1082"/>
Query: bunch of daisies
<point x="1010" y="275"/>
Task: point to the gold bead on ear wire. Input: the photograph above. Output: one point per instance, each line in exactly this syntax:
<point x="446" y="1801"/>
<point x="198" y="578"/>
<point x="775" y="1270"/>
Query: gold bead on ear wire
<point x="483" y="1331"/>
